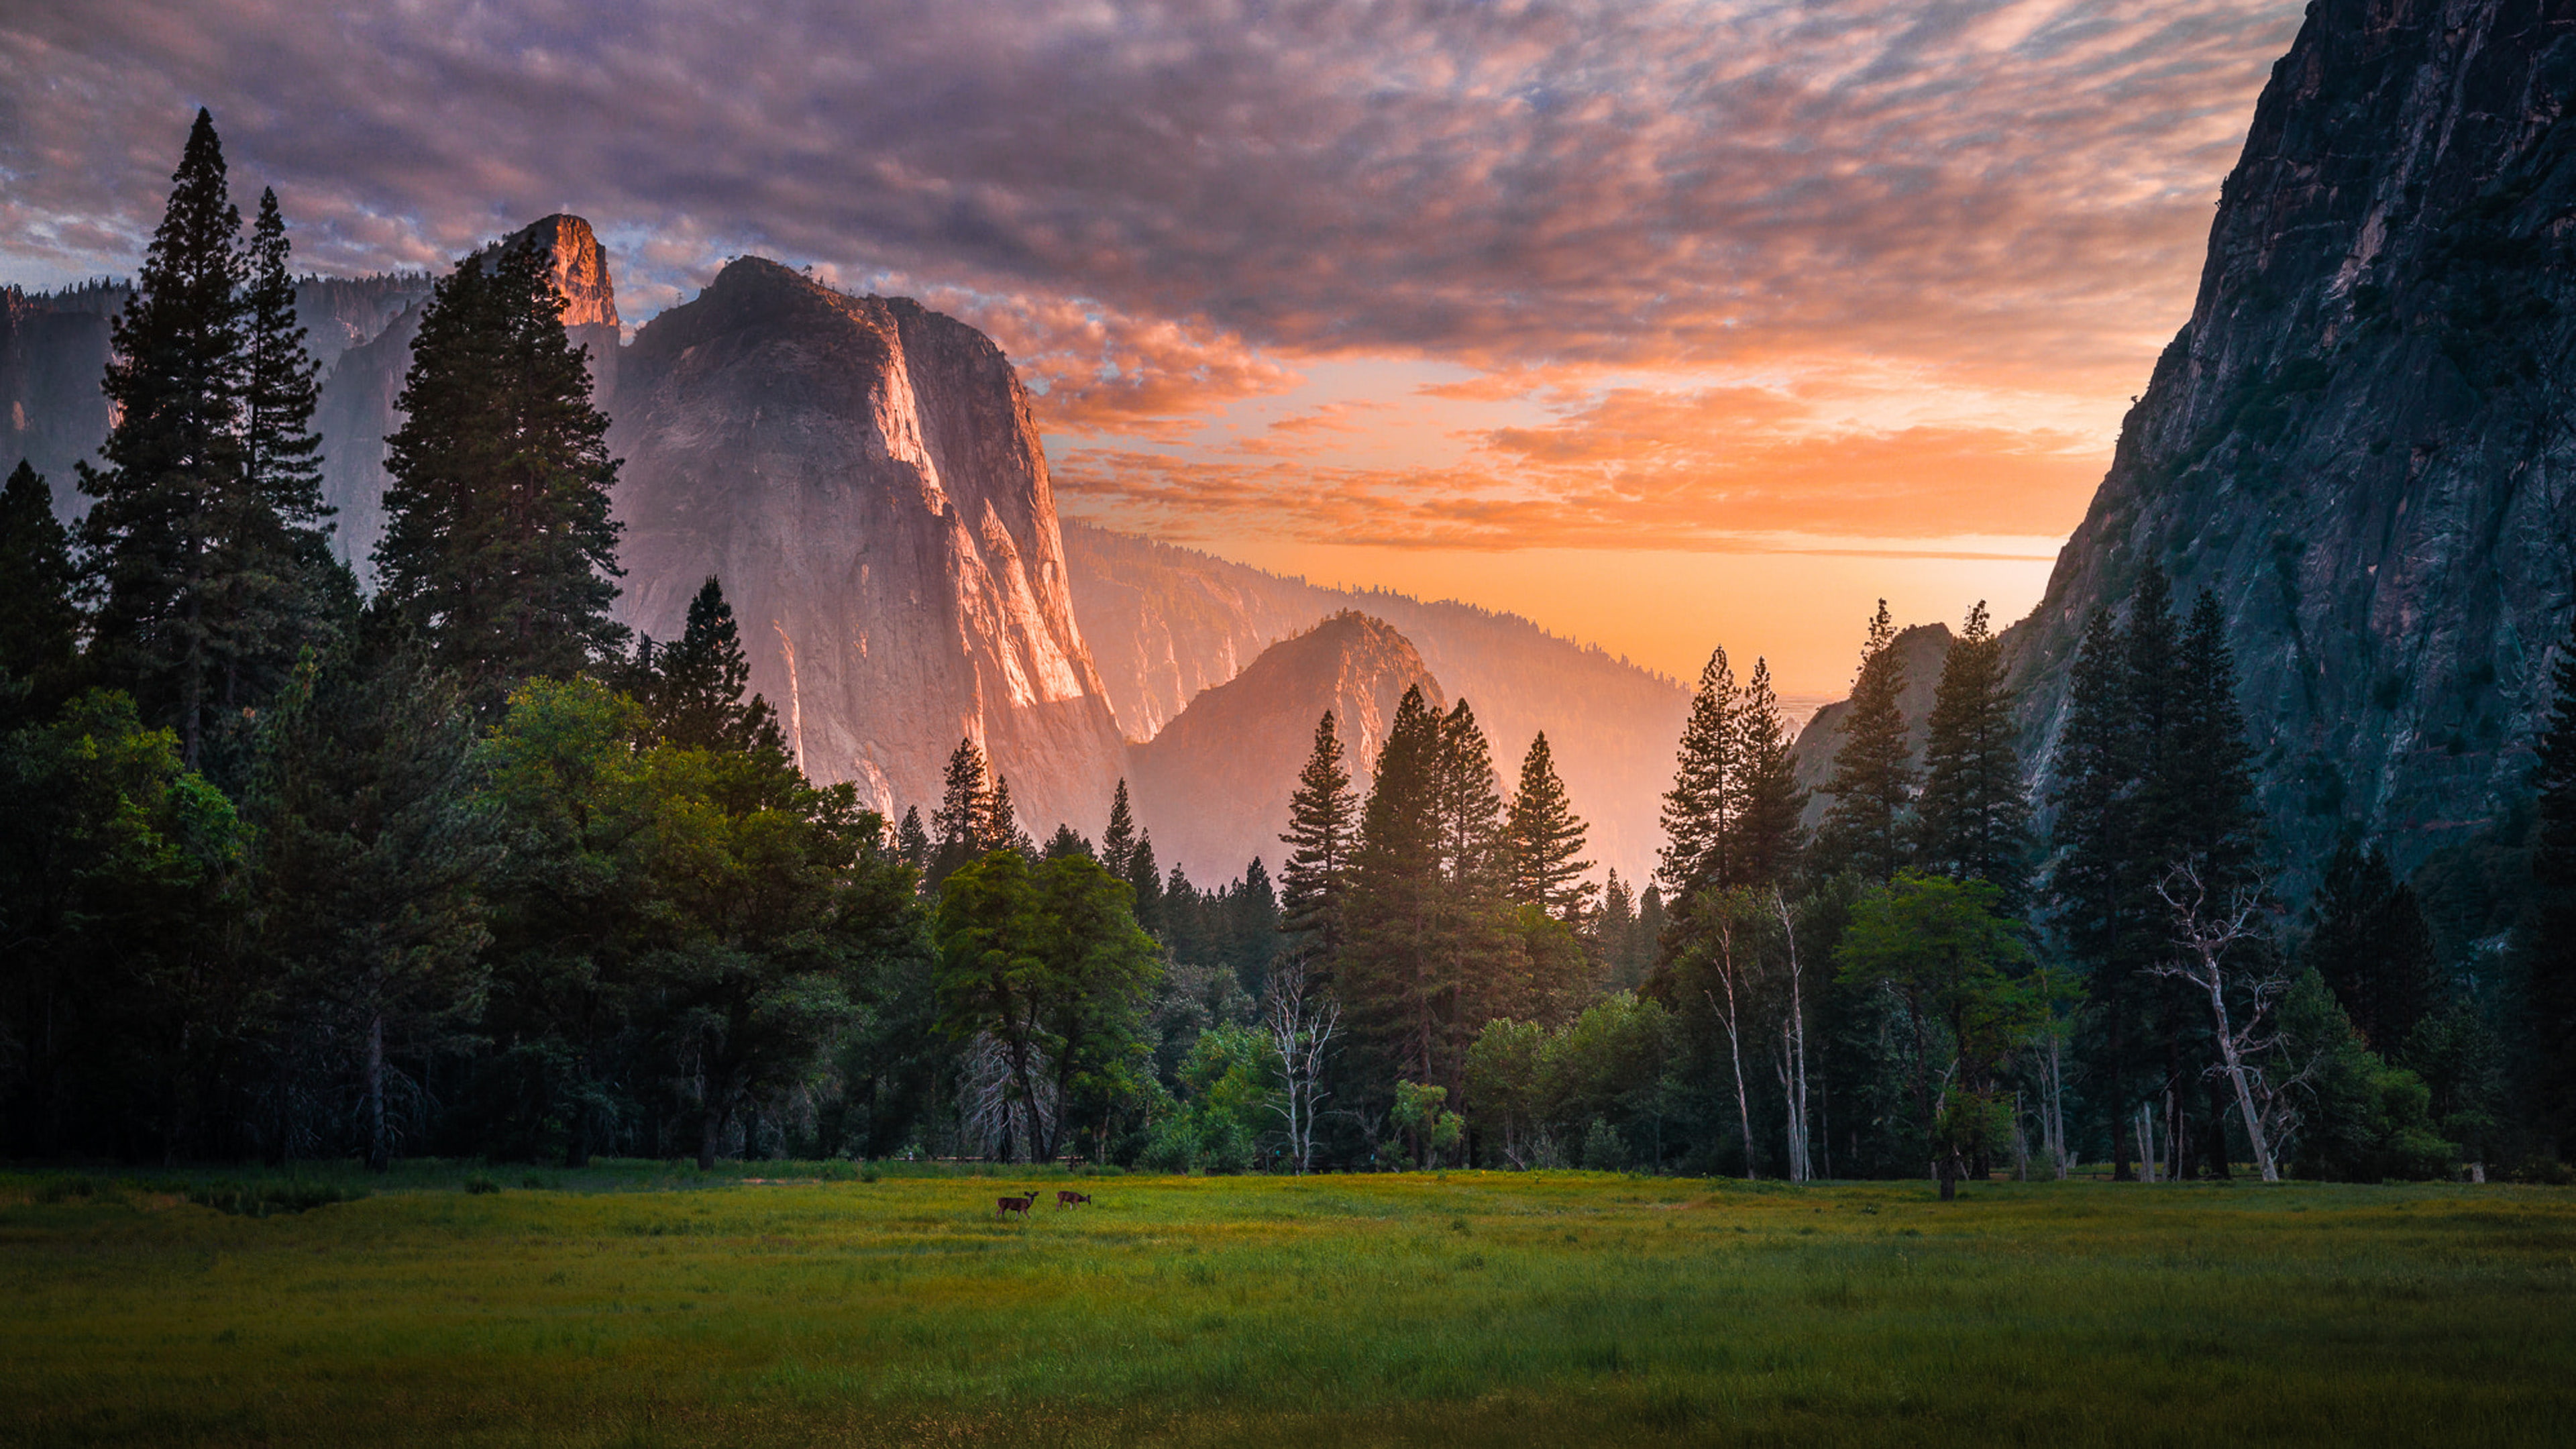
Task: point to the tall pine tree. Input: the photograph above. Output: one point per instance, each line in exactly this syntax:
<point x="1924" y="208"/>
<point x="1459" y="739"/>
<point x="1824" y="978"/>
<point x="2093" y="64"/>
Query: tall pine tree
<point x="1867" y="828"/>
<point x="1118" y="842"/>
<point x="39" y="623"/>
<point x="699" y="685"/>
<point x="1322" y="833"/>
<point x="498" y="542"/>
<point x="1768" y="833"/>
<point x="1975" y="814"/>
<point x="1546" y="841"/>
<point x="1701" y="810"/>
<point x="963" y="822"/>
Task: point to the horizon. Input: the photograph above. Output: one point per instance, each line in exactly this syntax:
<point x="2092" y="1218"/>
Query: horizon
<point x="1881" y="285"/>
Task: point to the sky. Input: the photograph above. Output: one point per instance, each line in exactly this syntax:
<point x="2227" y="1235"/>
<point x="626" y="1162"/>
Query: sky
<point x="1666" y="324"/>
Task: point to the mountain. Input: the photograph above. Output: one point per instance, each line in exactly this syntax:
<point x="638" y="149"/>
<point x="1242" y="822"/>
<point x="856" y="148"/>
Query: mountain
<point x="1923" y="647"/>
<point x="865" y="477"/>
<point x="1165" y="623"/>
<point x="2362" y="441"/>
<point x="1213" y="785"/>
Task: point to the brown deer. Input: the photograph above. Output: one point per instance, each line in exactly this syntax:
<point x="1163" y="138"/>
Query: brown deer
<point x="1066" y="1197"/>
<point x="1020" y="1205"/>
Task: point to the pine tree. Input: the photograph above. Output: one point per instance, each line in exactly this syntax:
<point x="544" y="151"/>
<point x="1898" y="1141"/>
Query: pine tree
<point x="1389" y="971"/>
<point x="2546" y="941"/>
<point x="1866" y="828"/>
<point x="39" y="623"/>
<point x="2369" y="940"/>
<point x="498" y="541"/>
<point x="2210" y="766"/>
<point x="174" y="455"/>
<point x="1546" y="840"/>
<point x="1768" y="832"/>
<point x="1002" y="826"/>
<point x="1118" y="842"/>
<point x="912" y="841"/>
<point x="1974" y="816"/>
<point x="963" y="822"/>
<point x="1322" y="834"/>
<point x="1701" y="810"/>
<point x="1066" y="841"/>
<point x="699" y="685"/>
<point x="1145" y="878"/>
<point x="1474" y="946"/>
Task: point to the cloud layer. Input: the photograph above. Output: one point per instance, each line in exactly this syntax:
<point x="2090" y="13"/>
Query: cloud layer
<point x="1723" y="268"/>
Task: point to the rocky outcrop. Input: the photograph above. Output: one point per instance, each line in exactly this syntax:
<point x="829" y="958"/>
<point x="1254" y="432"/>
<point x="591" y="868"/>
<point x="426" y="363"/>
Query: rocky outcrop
<point x="2363" y="441"/>
<point x="53" y="353"/>
<point x="1164" y="623"/>
<point x="1213" y="786"/>
<point x="1922" y="648"/>
<point x="865" y="478"/>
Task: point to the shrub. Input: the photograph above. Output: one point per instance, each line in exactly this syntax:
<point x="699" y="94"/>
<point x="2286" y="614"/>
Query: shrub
<point x="478" y="1184"/>
<point x="1603" y="1151"/>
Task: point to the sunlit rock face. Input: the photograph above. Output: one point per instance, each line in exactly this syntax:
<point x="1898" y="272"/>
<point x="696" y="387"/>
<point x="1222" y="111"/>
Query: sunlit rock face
<point x="865" y="478"/>
<point x="1213" y="787"/>
<point x="2362" y="441"/>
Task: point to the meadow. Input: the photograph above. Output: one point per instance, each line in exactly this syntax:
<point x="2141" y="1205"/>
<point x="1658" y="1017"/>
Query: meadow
<point x="643" y="1304"/>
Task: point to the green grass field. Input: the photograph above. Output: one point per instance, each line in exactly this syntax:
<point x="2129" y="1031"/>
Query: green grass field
<point x="639" y="1305"/>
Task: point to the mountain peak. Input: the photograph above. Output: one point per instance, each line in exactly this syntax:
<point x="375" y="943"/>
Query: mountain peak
<point x="581" y="268"/>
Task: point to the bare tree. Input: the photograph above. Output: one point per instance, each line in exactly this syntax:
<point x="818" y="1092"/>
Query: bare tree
<point x="1302" y="1026"/>
<point x="1793" y="1049"/>
<point x="1726" y="913"/>
<point x="1000" y="1116"/>
<point x="2206" y="934"/>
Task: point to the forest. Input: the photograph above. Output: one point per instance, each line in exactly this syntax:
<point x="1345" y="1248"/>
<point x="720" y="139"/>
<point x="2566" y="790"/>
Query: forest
<point x="462" y="869"/>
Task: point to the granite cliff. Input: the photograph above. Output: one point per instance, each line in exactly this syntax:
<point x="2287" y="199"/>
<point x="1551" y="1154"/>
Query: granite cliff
<point x="865" y="477"/>
<point x="2362" y="440"/>
<point x="1213" y="785"/>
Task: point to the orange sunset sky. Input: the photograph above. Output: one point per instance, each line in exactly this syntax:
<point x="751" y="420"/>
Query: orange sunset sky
<point x="1666" y="324"/>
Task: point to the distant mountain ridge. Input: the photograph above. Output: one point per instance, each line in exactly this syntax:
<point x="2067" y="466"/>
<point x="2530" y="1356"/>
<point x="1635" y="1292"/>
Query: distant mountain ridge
<point x="1165" y="622"/>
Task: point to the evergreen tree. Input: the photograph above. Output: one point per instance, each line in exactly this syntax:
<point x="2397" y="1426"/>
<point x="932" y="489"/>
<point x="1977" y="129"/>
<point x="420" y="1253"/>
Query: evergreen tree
<point x="1701" y="810"/>
<point x="912" y="841"/>
<point x="2369" y="942"/>
<point x="698" y="686"/>
<point x="1002" y="828"/>
<point x="1475" y="938"/>
<point x="1975" y="816"/>
<point x="1066" y="841"/>
<point x="963" y="822"/>
<point x="1867" y="826"/>
<point x="1769" y="835"/>
<point x="1546" y="841"/>
<point x="175" y="467"/>
<point x="498" y="542"/>
<point x="1118" y="842"/>
<point x="2546" y="942"/>
<point x="39" y="623"/>
<point x="1145" y="878"/>
<point x="1388" y="973"/>
<point x="1322" y="834"/>
<point x="2210" y="769"/>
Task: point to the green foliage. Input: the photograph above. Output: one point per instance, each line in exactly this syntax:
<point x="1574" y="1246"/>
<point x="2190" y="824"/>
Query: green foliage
<point x="498" y="545"/>
<point x="1226" y="1083"/>
<point x="1603" y="1151"/>
<point x="1321" y="838"/>
<point x="1545" y="840"/>
<point x="1869" y="826"/>
<point x="264" y="1198"/>
<point x="1974" y="815"/>
<point x="1419" y="1114"/>
<point x="39" y="624"/>
<point x="1535" y="1092"/>
<point x="2366" y="1121"/>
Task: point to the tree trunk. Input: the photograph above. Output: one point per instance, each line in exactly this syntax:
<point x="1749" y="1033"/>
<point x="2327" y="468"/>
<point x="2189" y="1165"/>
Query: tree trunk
<point x="1948" y="1169"/>
<point x="710" y="1132"/>
<point x="379" y="1150"/>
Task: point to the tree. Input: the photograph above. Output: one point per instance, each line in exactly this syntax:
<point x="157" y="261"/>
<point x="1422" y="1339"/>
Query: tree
<point x="2369" y="942"/>
<point x="698" y="687"/>
<point x="1002" y="830"/>
<point x="1048" y="963"/>
<point x="1302" y="1024"/>
<point x="1145" y="884"/>
<point x="1700" y="810"/>
<point x="912" y="841"/>
<point x="1867" y="826"/>
<point x="2090" y="886"/>
<point x="370" y="849"/>
<point x="1420" y="1114"/>
<point x="2209" y="778"/>
<point x="1770" y="801"/>
<point x="204" y="589"/>
<point x="39" y="623"/>
<point x="1066" y="841"/>
<point x="1545" y="840"/>
<point x="1941" y="950"/>
<point x="1118" y="842"/>
<point x="499" y="545"/>
<point x="963" y="822"/>
<point x="1974" y="815"/>
<point x="2209" y="934"/>
<point x="1321" y="837"/>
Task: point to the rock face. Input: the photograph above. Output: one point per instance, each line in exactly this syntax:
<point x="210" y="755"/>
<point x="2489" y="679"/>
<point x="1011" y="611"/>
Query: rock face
<point x="2363" y="440"/>
<point x="53" y="353"/>
<point x="1922" y="647"/>
<point x="1164" y="623"/>
<point x="866" y="479"/>
<point x="1213" y="786"/>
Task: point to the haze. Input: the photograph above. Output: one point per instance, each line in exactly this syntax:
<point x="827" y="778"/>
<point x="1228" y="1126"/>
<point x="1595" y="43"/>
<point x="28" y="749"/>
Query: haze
<point x="1664" y="324"/>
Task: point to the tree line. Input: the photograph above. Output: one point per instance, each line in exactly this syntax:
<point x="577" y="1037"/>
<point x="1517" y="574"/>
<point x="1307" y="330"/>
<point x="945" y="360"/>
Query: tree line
<point x="465" y="868"/>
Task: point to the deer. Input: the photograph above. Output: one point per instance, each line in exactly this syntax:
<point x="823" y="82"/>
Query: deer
<point x="1067" y="1197"/>
<point x="1020" y="1205"/>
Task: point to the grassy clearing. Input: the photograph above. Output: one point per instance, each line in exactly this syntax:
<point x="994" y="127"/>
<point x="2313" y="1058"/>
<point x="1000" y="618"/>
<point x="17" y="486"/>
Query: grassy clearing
<point x="639" y="1304"/>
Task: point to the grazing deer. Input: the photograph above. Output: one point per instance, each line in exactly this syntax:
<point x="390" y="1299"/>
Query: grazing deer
<point x="1018" y="1205"/>
<point x="1066" y="1197"/>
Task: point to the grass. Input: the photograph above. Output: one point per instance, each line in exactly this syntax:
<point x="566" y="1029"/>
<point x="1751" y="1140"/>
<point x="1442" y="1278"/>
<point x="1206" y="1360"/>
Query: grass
<point x="639" y="1304"/>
